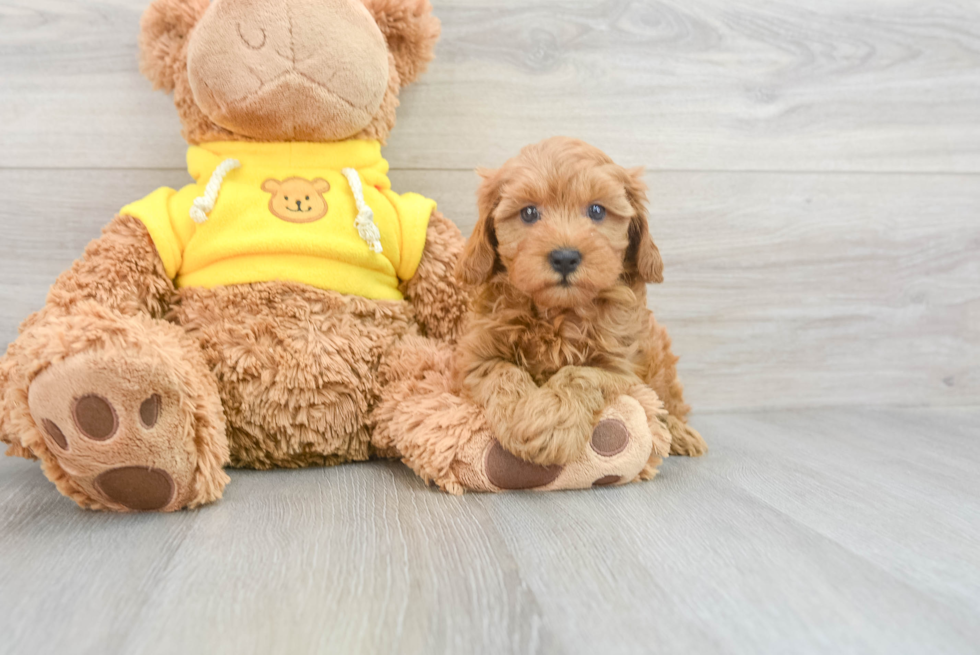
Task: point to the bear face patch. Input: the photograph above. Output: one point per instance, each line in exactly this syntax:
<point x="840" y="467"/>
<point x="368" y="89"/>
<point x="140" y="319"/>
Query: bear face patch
<point x="297" y="200"/>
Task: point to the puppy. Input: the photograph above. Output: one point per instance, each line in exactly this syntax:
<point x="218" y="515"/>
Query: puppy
<point x="559" y="326"/>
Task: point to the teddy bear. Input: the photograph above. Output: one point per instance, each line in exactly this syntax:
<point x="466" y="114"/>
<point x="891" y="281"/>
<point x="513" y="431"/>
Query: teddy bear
<point x="285" y="309"/>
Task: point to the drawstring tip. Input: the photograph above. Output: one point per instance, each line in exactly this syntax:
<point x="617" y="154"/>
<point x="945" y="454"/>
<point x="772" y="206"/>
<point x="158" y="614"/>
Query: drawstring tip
<point x="364" y="222"/>
<point x="203" y="205"/>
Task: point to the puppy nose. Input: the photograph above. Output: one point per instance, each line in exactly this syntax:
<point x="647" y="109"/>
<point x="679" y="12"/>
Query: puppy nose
<point x="565" y="261"/>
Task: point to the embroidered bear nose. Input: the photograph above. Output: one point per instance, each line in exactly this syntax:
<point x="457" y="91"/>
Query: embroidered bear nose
<point x="299" y="204"/>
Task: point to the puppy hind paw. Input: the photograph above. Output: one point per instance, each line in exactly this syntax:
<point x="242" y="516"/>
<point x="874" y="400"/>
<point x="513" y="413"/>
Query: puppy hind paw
<point x="685" y="440"/>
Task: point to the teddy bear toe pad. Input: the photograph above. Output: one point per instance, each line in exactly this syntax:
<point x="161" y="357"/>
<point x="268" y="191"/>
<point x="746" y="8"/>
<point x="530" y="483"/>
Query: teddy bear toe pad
<point x="610" y="437"/>
<point x="137" y="488"/>
<point x="508" y="471"/>
<point x="116" y="427"/>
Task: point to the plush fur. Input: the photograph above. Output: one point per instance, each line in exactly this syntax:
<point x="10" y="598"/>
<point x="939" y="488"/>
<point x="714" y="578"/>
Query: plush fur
<point x="545" y="352"/>
<point x="134" y="394"/>
<point x="151" y="356"/>
<point x="261" y="375"/>
<point x="408" y="26"/>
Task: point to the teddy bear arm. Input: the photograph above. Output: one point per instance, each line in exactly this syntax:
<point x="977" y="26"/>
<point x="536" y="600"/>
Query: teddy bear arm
<point x="121" y="270"/>
<point x="440" y="302"/>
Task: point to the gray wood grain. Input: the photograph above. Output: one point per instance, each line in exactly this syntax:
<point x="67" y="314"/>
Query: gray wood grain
<point x="818" y="531"/>
<point x="782" y="290"/>
<point x="815" y="184"/>
<point x="864" y="85"/>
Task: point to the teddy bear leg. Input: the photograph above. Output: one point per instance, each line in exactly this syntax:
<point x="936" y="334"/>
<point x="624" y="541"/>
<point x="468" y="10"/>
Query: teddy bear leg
<point x="445" y="438"/>
<point x="623" y="448"/>
<point x="121" y="410"/>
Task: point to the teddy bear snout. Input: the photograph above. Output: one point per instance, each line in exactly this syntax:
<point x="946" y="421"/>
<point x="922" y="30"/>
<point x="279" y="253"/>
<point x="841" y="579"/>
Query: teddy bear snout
<point x="284" y="69"/>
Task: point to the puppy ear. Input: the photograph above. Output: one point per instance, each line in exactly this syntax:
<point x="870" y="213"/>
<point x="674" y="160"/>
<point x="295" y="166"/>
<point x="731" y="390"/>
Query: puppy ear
<point x="642" y="255"/>
<point x="163" y="30"/>
<point x="411" y="32"/>
<point x="479" y="257"/>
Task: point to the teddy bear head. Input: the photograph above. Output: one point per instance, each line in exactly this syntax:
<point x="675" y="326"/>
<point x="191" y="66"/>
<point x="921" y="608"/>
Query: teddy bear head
<point x="286" y="70"/>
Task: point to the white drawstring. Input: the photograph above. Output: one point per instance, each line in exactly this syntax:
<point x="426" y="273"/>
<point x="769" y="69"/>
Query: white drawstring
<point x="365" y="217"/>
<point x="203" y="205"/>
<point x="364" y="222"/>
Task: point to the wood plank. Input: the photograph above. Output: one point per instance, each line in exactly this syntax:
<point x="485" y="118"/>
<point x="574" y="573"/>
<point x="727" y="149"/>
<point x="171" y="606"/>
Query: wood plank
<point x="354" y="559"/>
<point x="820" y="290"/>
<point x="48" y="227"/>
<point x="801" y="531"/>
<point x="783" y="290"/>
<point x="859" y="85"/>
<point x="84" y="575"/>
<point x="897" y="487"/>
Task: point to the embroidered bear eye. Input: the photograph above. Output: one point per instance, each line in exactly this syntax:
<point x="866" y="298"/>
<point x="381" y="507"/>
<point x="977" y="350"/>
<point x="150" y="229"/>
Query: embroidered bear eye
<point x="286" y="197"/>
<point x="530" y="214"/>
<point x="307" y="197"/>
<point x="596" y="212"/>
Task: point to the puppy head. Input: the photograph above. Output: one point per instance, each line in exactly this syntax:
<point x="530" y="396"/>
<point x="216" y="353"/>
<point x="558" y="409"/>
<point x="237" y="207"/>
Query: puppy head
<point x="562" y="223"/>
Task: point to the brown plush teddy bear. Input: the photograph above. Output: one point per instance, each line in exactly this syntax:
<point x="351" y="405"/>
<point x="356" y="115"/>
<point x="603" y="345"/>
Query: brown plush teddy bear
<point x="286" y="309"/>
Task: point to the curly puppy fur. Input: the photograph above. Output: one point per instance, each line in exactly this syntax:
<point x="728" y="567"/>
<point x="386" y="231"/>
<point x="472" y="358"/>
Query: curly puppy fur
<point x="546" y="350"/>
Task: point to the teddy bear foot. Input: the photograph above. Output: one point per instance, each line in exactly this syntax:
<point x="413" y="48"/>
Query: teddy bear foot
<point x="620" y="450"/>
<point x="122" y="433"/>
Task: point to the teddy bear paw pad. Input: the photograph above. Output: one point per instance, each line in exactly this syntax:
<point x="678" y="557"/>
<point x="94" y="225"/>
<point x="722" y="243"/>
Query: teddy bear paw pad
<point x="137" y="488"/>
<point x="610" y="437"/>
<point x="619" y="448"/>
<point x="118" y="430"/>
<point x="508" y="471"/>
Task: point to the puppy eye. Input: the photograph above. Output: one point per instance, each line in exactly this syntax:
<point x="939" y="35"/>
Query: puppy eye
<point x="530" y="214"/>
<point x="596" y="212"/>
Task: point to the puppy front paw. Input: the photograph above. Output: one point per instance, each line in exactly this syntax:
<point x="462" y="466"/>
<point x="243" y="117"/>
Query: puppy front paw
<point x="593" y="387"/>
<point x="546" y="427"/>
<point x="557" y="446"/>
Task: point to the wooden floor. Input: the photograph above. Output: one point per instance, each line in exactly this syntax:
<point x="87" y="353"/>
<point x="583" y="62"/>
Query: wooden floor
<point x="818" y="531"/>
<point x="815" y="189"/>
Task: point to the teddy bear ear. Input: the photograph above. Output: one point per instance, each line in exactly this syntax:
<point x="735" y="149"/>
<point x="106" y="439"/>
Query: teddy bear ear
<point x="271" y="186"/>
<point x="411" y="32"/>
<point x="163" y="30"/>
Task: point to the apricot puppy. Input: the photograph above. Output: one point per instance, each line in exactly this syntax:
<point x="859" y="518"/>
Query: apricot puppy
<point x="559" y="326"/>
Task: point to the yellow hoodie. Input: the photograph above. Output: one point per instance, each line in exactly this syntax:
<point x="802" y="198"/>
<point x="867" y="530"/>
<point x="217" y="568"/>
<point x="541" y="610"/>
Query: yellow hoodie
<point x="287" y="212"/>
